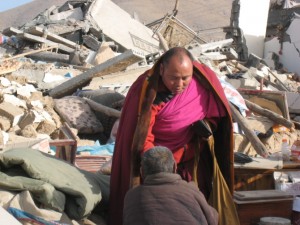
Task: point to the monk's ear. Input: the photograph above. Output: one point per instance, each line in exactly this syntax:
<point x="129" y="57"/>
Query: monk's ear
<point x="161" y="69"/>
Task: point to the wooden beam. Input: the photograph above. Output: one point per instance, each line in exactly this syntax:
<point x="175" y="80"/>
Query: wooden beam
<point x="268" y="113"/>
<point x="45" y="41"/>
<point x="249" y="134"/>
<point x="162" y="41"/>
<point x="103" y="109"/>
<point x="38" y="31"/>
<point x="28" y="53"/>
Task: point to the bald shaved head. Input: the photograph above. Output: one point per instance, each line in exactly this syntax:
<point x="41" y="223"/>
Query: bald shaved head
<point x="178" y="52"/>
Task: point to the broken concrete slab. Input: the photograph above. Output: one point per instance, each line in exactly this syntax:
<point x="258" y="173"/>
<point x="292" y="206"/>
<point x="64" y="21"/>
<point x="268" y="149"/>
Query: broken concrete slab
<point x="229" y="52"/>
<point x="126" y="77"/>
<point x="253" y="61"/>
<point x="4" y="123"/>
<point x="5" y="82"/>
<point x="104" y="53"/>
<point x="14" y="100"/>
<point x="115" y="64"/>
<point x="35" y="73"/>
<point x="290" y="50"/>
<point x="253" y="17"/>
<point x="75" y="13"/>
<point x="68" y="29"/>
<point x="25" y="91"/>
<point x="29" y="131"/>
<point x="213" y="56"/>
<point x="123" y="29"/>
<point x="214" y="45"/>
<point x="36" y="104"/>
<point x="46" y="127"/>
<point x="13" y="113"/>
<point x="27" y="119"/>
<point x="91" y="42"/>
<point x="293" y="101"/>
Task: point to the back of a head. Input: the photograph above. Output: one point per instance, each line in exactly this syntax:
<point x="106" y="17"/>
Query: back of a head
<point x="156" y="160"/>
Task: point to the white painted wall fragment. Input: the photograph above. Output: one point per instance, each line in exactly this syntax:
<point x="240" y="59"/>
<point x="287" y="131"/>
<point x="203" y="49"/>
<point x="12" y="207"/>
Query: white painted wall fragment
<point x="289" y="55"/>
<point x="291" y="51"/>
<point x="253" y="21"/>
<point x="118" y="25"/>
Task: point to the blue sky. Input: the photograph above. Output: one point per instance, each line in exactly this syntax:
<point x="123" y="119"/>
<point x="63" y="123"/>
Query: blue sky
<point x="9" y="4"/>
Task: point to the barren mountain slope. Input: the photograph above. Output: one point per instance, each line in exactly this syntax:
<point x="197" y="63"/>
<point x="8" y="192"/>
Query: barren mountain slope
<point x="18" y="16"/>
<point x="197" y="14"/>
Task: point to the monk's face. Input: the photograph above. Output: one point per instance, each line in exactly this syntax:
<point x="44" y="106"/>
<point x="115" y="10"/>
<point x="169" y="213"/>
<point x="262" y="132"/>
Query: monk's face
<point x="177" y="74"/>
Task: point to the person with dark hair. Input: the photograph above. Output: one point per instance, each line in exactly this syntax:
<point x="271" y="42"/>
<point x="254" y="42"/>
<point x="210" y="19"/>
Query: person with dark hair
<point x="178" y="104"/>
<point x="157" y="160"/>
<point x="164" y="198"/>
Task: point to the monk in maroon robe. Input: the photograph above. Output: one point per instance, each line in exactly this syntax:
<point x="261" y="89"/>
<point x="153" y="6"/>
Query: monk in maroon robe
<point x="161" y="109"/>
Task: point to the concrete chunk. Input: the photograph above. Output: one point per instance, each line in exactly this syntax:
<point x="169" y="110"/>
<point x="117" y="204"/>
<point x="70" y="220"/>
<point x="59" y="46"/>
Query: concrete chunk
<point x="215" y="45"/>
<point x="4" y="123"/>
<point x="123" y="29"/>
<point x="13" y="113"/>
<point x="29" y="132"/>
<point x="230" y="53"/>
<point x="25" y="91"/>
<point x="293" y="100"/>
<point x="4" y="82"/>
<point x="27" y="119"/>
<point x="37" y="95"/>
<point x="46" y="127"/>
<point x="91" y="41"/>
<point x="104" y="53"/>
<point x="115" y="64"/>
<point x="76" y="14"/>
<point x="14" y="100"/>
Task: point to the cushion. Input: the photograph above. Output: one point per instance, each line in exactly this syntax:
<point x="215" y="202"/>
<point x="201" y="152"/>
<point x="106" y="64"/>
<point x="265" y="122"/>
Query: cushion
<point x="108" y="98"/>
<point x="78" y="114"/>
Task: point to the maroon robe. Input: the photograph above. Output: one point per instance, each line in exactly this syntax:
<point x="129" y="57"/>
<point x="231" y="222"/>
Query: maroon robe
<point x="133" y="129"/>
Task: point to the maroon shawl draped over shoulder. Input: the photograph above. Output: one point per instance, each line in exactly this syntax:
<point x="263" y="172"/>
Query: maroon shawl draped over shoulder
<point x="172" y="126"/>
<point x="129" y="127"/>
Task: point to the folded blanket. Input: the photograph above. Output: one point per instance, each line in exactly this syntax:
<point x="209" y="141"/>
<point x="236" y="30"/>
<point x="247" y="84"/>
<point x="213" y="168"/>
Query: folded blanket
<point x="51" y="181"/>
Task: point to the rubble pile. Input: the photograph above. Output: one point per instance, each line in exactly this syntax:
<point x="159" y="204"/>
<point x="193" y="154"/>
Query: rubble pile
<point x="69" y="66"/>
<point x="70" y="48"/>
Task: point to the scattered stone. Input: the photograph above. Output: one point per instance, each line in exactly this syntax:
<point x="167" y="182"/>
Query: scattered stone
<point x="29" y="131"/>
<point x="4" y="123"/>
<point x="46" y="127"/>
<point x="27" y="119"/>
<point x="13" y="113"/>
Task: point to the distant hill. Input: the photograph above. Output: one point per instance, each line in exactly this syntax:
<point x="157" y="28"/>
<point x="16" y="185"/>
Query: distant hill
<point x="20" y="15"/>
<point x="197" y="14"/>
